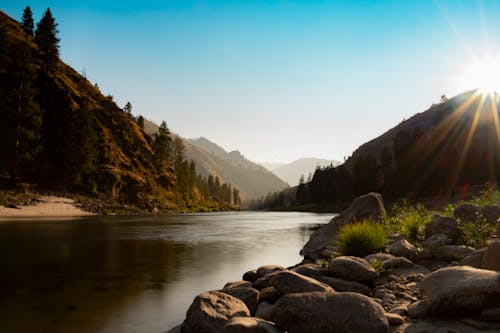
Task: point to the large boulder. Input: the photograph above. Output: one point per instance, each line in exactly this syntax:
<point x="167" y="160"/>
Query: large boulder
<point x="402" y="248"/>
<point x="475" y="259"/>
<point x="466" y="212"/>
<point x="456" y="291"/>
<point x="452" y="252"/>
<point x="249" y="295"/>
<point x="321" y="312"/>
<point x="353" y="269"/>
<point x="491" y="258"/>
<point x="250" y="325"/>
<point x="366" y="207"/>
<point x="210" y="311"/>
<point x="443" y="225"/>
<point x="289" y="282"/>
<point x="491" y="213"/>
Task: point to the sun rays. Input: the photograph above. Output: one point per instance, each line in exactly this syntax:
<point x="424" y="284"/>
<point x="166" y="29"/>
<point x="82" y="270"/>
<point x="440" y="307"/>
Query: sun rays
<point x="482" y="74"/>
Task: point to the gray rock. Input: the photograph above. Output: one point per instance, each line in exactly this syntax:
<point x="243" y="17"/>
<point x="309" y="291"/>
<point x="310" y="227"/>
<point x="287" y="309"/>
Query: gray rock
<point x="366" y="207"/>
<point x="378" y="257"/>
<point x="454" y="291"/>
<point x="402" y="248"/>
<point x="396" y="262"/>
<point x="437" y="240"/>
<point x="452" y="252"/>
<point x="250" y="325"/>
<point x="321" y="312"/>
<point x="250" y="276"/>
<point x="466" y="212"/>
<point x="342" y="285"/>
<point x="443" y="225"/>
<point x="491" y="258"/>
<point x="491" y="213"/>
<point x="289" y="282"/>
<point x="210" y="311"/>
<point x="311" y="270"/>
<point x="264" y="310"/>
<point x="475" y="259"/>
<point x="394" y="319"/>
<point x="264" y="271"/>
<point x="410" y="271"/>
<point x="352" y="269"/>
<point x="419" y="309"/>
<point x="249" y="295"/>
<point x="270" y="294"/>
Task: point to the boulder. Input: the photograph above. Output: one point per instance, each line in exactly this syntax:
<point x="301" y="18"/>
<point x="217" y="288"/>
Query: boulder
<point x="249" y="295"/>
<point x="264" y="271"/>
<point x="250" y="325"/>
<point x="396" y="262"/>
<point x="452" y="252"/>
<point x="394" y="319"/>
<point x="466" y="212"/>
<point x="311" y="270"/>
<point x="366" y="207"/>
<point x="344" y="285"/>
<point x="352" y="269"/>
<point x="269" y="294"/>
<point x="378" y="257"/>
<point x="289" y="282"/>
<point x="456" y="291"/>
<point x="492" y="314"/>
<point x="437" y="240"/>
<point x="491" y="258"/>
<point x="402" y="248"/>
<point x="410" y="271"/>
<point x="491" y="213"/>
<point x="264" y="310"/>
<point x="250" y="276"/>
<point x="237" y="284"/>
<point x="210" y="311"/>
<point x="443" y="225"/>
<point x="321" y="312"/>
<point x="475" y="259"/>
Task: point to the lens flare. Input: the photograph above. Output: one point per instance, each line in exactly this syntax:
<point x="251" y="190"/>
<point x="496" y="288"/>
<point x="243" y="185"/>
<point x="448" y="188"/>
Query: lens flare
<point x="483" y="75"/>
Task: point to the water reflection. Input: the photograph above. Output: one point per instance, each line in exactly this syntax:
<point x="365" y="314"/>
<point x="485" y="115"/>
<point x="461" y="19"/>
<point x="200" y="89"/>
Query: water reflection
<point x="133" y="274"/>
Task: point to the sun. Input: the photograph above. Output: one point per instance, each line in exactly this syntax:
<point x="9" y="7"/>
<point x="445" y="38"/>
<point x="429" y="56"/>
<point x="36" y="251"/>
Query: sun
<point x="482" y="74"/>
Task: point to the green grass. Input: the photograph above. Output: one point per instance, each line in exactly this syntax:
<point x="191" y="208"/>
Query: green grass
<point x="408" y="220"/>
<point x="361" y="239"/>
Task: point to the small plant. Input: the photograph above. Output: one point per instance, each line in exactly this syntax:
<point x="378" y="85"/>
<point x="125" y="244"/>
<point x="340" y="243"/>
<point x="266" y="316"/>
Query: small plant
<point x="477" y="233"/>
<point x="413" y="227"/>
<point x="378" y="265"/>
<point x="361" y="239"/>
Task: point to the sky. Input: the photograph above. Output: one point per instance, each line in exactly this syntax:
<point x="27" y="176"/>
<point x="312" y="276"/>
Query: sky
<point x="276" y="80"/>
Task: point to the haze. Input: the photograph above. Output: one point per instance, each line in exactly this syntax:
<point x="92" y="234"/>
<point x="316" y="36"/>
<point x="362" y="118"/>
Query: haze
<point x="276" y="80"/>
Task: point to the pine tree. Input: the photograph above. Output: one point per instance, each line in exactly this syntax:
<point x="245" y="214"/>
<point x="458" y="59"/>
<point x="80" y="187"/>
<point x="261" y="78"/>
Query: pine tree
<point x="27" y="22"/>
<point x="128" y="108"/>
<point x="47" y="41"/>
<point x="162" y="146"/>
<point x="178" y="151"/>
<point x="140" y="122"/>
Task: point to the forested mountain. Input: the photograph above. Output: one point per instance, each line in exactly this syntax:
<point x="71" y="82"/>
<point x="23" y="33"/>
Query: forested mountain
<point x="58" y="131"/>
<point x="291" y="172"/>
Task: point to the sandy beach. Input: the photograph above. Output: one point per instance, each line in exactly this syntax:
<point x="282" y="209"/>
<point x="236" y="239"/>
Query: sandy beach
<point x="47" y="206"/>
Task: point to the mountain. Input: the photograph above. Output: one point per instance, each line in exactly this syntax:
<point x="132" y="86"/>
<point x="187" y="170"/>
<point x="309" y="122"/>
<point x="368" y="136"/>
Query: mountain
<point x="291" y="172"/>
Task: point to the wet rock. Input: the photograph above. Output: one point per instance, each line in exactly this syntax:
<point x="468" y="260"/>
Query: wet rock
<point x="365" y="207"/>
<point x="250" y="325"/>
<point x="353" y="269"/>
<point x="402" y="248"/>
<point x="210" y="311"/>
<point x="321" y="312"/>
<point x="491" y="258"/>
<point x="289" y="282"/>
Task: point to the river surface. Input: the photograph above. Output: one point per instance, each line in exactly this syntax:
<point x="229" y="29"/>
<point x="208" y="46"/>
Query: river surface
<point x="133" y="274"/>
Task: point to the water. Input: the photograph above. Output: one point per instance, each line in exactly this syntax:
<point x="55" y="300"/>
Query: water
<point x="133" y="274"/>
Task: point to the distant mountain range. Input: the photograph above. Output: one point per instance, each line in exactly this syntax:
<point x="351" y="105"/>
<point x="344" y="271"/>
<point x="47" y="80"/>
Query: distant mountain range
<point x="291" y="172"/>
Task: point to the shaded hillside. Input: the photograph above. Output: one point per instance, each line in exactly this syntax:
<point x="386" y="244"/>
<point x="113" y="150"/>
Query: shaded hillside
<point x="60" y="132"/>
<point x="292" y="171"/>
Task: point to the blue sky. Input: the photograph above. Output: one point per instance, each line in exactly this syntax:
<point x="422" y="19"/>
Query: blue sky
<point x="277" y="80"/>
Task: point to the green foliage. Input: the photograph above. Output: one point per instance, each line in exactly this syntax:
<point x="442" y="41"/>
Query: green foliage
<point x="378" y="265"/>
<point x="27" y="22"/>
<point x="162" y="146"/>
<point x="408" y="220"/>
<point x="47" y="41"/>
<point x="140" y="122"/>
<point x="477" y="233"/>
<point x="361" y="239"/>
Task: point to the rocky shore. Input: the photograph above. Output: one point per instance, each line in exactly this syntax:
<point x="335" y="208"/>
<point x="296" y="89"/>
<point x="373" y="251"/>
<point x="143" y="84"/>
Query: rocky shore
<point x="439" y="286"/>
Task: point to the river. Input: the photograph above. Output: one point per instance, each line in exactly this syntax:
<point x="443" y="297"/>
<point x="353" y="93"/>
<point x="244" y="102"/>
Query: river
<point x="133" y="274"/>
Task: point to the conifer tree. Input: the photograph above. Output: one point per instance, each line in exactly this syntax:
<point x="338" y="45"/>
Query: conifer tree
<point x="128" y="108"/>
<point x="27" y="22"/>
<point x="140" y="122"/>
<point x="162" y="145"/>
<point x="178" y="151"/>
<point x="47" y="41"/>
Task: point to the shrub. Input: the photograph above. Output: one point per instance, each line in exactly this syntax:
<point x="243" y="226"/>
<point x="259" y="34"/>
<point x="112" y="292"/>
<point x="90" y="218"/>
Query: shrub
<point x="361" y="239"/>
<point x="477" y="233"/>
<point x="408" y="220"/>
<point x="413" y="227"/>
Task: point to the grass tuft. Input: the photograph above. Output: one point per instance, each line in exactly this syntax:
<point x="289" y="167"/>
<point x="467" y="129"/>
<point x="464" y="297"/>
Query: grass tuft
<point x="361" y="239"/>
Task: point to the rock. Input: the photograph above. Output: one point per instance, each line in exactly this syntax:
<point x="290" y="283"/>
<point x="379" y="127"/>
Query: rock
<point x="402" y="248"/>
<point x="352" y="269"/>
<point x="443" y="225"/>
<point x="400" y="310"/>
<point x="176" y="329"/>
<point x="491" y="258"/>
<point x="366" y="207"/>
<point x="452" y="252"/>
<point x="378" y="257"/>
<point x="289" y="282"/>
<point x="492" y="314"/>
<point x="410" y="271"/>
<point x="345" y="285"/>
<point x="312" y="270"/>
<point x="419" y="309"/>
<point x="249" y="295"/>
<point x="264" y="271"/>
<point x="250" y="325"/>
<point x="237" y="284"/>
<point x="250" y="276"/>
<point x="396" y="262"/>
<point x="437" y="240"/>
<point x="209" y="312"/>
<point x="491" y="213"/>
<point x="475" y="259"/>
<point x="394" y="319"/>
<point x="466" y="212"/>
<point x="261" y="283"/>
<point x="321" y="312"/>
<point x="264" y="310"/>
<point x="270" y="294"/>
<point x="459" y="290"/>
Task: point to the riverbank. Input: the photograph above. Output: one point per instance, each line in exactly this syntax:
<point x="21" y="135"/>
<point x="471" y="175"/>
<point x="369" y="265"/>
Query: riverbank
<point x="44" y="205"/>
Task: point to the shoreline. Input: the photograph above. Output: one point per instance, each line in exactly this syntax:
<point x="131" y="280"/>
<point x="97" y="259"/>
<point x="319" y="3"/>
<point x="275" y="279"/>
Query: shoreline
<point x="46" y="206"/>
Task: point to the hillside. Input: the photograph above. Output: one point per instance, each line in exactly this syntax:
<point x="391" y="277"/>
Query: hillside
<point x="291" y="172"/>
<point x="59" y="132"/>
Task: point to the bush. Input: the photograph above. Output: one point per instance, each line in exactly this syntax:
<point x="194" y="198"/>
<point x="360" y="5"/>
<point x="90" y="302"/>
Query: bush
<point x="361" y="239"/>
<point x="413" y="228"/>
<point x="408" y="220"/>
<point x="476" y="234"/>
